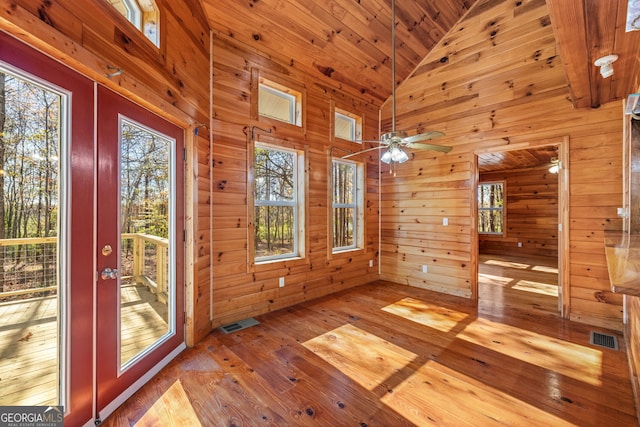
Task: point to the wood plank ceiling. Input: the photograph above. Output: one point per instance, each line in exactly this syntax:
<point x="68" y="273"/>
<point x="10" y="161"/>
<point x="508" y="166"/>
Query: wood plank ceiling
<point x="518" y="159"/>
<point x="349" y="41"/>
<point x="344" y="40"/>
<point x="586" y="30"/>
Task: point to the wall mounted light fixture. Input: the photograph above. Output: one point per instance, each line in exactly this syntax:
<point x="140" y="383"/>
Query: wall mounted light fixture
<point x="605" y="64"/>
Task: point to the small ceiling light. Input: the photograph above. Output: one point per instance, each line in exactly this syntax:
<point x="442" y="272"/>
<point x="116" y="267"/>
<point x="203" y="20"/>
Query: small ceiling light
<point x="605" y="64"/>
<point x="555" y="165"/>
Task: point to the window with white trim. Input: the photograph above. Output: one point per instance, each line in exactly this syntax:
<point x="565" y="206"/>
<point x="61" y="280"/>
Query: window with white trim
<point x="347" y="200"/>
<point x="491" y="208"/>
<point x="347" y="125"/>
<point x="278" y="200"/>
<point x="279" y="102"/>
<point x="143" y="14"/>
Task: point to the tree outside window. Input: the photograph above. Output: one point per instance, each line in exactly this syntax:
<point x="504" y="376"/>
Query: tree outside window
<point x="276" y="201"/>
<point x="491" y="208"/>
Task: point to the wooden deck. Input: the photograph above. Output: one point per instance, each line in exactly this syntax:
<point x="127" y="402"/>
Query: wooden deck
<point x="28" y="343"/>
<point x="390" y="355"/>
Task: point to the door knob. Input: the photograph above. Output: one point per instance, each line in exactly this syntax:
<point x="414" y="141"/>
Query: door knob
<point x="109" y="273"/>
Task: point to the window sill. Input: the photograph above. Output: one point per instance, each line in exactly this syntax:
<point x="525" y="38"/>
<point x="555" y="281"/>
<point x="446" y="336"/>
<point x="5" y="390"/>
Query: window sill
<point x="349" y="251"/>
<point x="278" y="263"/>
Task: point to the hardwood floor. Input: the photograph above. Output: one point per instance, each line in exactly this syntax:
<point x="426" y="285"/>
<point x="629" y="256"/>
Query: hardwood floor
<point x="515" y="283"/>
<point x="389" y="355"/>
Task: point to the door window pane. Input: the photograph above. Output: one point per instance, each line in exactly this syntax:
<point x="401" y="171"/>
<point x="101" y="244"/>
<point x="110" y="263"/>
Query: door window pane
<point x="145" y="212"/>
<point x="31" y="131"/>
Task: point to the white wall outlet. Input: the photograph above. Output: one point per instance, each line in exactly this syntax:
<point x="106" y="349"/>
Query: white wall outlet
<point x="519" y="244"/>
<point x="370" y="263"/>
<point x="425" y="269"/>
<point x="445" y="221"/>
<point x="281" y="282"/>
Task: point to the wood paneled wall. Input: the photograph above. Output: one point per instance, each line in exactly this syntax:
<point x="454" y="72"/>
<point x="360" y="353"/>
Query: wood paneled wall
<point x="173" y="81"/>
<point x="240" y="288"/>
<point x="531" y="213"/>
<point x="494" y="81"/>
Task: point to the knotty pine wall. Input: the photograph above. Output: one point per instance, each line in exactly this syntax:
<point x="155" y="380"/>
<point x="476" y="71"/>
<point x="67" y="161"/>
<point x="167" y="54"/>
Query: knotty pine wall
<point x="531" y="214"/>
<point x="90" y="37"/>
<point x="240" y="288"/>
<point x="496" y="81"/>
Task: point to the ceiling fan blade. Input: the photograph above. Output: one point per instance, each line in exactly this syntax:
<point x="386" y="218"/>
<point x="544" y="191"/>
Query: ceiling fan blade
<point x="363" y="151"/>
<point x="432" y="147"/>
<point x="422" y="137"/>
<point x="374" y="141"/>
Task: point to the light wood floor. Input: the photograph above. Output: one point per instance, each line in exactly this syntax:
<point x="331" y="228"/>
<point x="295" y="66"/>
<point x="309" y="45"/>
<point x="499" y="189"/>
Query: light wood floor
<point x="529" y="285"/>
<point x="29" y="343"/>
<point x="390" y="355"/>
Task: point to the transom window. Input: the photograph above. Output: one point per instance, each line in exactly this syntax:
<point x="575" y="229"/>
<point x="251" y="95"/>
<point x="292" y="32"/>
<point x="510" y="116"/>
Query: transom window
<point x="347" y="125"/>
<point x="279" y="102"/>
<point x="491" y="208"/>
<point x="278" y="196"/>
<point x="143" y="14"/>
<point x="346" y="205"/>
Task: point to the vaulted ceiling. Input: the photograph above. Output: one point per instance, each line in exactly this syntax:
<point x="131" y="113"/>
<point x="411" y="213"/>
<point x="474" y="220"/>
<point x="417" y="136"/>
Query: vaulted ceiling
<point x="349" y="41"/>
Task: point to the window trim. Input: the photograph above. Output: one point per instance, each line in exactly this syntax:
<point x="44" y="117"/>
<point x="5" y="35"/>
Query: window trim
<point x="359" y="222"/>
<point x="293" y="103"/>
<point x="300" y="190"/>
<point x="259" y="77"/>
<point x="154" y="48"/>
<point x="358" y="124"/>
<point x="501" y="209"/>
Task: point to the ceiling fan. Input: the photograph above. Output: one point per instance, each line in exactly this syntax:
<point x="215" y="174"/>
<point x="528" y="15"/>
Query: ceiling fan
<point x="395" y="141"/>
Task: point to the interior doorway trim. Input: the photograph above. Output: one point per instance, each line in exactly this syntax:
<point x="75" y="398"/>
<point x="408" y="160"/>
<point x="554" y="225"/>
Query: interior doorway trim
<point x="564" y="295"/>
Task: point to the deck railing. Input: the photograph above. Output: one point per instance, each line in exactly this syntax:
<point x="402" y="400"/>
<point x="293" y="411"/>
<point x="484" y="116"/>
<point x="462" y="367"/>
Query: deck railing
<point x="29" y="266"/>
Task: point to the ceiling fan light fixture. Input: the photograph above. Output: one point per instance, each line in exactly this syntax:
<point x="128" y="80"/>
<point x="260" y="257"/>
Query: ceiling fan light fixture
<point x="386" y="157"/>
<point x="398" y="155"/>
<point x="394" y="154"/>
<point x="555" y="165"/>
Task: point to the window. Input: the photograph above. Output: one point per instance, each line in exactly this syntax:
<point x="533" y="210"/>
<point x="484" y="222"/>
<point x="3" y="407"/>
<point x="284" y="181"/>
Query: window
<point x="279" y="102"/>
<point x="278" y="195"/>
<point x="143" y="14"/>
<point x="347" y="205"/>
<point x="490" y="208"/>
<point x="347" y="125"/>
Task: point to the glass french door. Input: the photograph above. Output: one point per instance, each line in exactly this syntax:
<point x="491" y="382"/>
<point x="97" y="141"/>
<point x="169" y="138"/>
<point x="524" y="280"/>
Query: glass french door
<point x="140" y="247"/>
<point x="91" y="239"/>
<point x="46" y="223"/>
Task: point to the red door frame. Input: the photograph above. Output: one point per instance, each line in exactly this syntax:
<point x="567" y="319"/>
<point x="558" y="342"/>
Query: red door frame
<point x="110" y="383"/>
<point x="79" y="291"/>
<point x="85" y="238"/>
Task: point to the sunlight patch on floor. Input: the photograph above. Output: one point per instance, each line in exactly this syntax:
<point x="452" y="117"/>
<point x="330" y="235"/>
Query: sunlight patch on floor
<point x="494" y="280"/>
<point x="545" y="269"/>
<point x="572" y="360"/>
<point x="172" y="408"/>
<point x="507" y="264"/>
<point x="447" y="397"/>
<point x="365" y="358"/>
<point x="442" y="319"/>
<point x="536" y="287"/>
